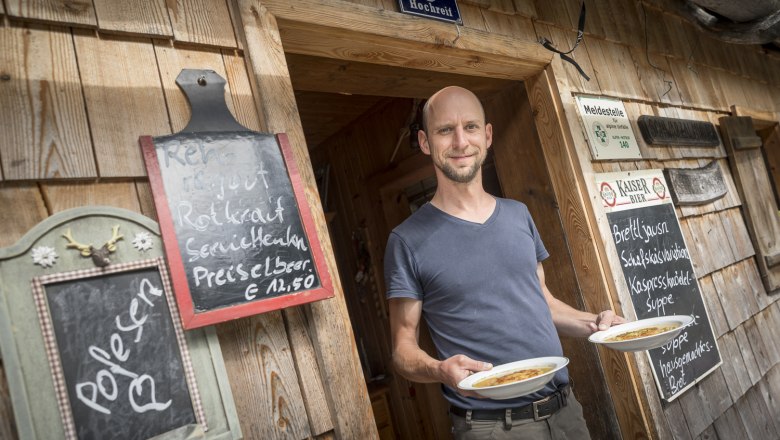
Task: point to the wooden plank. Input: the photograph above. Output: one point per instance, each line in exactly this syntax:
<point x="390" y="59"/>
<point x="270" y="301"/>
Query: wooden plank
<point x="768" y="334"/>
<point x="715" y="398"/>
<point x="737" y="234"/>
<point x="714" y="308"/>
<point x="263" y="377"/>
<point x="136" y="17"/>
<point x="78" y="12"/>
<point x="517" y="27"/>
<point x="553" y="13"/>
<point x="734" y="370"/>
<point x="202" y="22"/>
<point x="709" y="434"/>
<point x="747" y="352"/>
<point x="23" y="208"/>
<point x="755" y="286"/>
<point x="124" y="99"/>
<point x="330" y="329"/>
<point x="43" y="125"/>
<point x="241" y="102"/>
<point x="360" y="33"/>
<point x="755" y="189"/>
<point x="526" y="8"/>
<point x="312" y="388"/>
<point x="730" y="283"/>
<point x="521" y="169"/>
<point x="62" y="196"/>
<point x="679" y="426"/>
<point x="730" y="426"/>
<point x="696" y="417"/>
<point x="760" y="351"/>
<point x="627" y="23"/>
<point x="472" y="18"/>
<point x="615" y="71"/>
<point x="655" y="76"/>
<point x="770" y="389"/>
<point x="579" y="224"/>
<point x="696" y="186"/>
<point x="755" y="415"/>
<point x="146" y="199"/>
<point x="354" y="78"/>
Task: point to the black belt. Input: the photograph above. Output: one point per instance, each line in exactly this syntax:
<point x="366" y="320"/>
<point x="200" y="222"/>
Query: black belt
<point x="539" y="410"/>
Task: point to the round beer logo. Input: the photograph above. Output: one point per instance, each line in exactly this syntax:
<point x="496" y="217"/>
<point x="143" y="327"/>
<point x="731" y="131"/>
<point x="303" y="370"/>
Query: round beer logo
<point x="608" y="194"/>
<point x="659" y="188"/>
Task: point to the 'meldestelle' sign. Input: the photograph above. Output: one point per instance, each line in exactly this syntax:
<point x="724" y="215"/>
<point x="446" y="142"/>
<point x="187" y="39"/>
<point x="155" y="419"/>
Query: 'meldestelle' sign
<point x="608" y="128"/>
<point x="445" y="10"/>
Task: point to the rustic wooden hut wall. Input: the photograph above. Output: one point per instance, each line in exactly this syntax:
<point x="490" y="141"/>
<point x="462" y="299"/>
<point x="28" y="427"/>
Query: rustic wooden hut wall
<point x="77" y="88"/>
<point x="660" y="65"/>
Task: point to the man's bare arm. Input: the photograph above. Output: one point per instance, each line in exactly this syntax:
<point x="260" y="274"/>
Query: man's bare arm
<point x="572" y="322"/>
<point x="414" y="363"/>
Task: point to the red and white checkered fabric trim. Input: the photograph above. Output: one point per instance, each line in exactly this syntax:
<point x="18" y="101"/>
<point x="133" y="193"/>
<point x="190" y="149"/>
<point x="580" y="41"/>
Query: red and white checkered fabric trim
<point x="50" y="340"/>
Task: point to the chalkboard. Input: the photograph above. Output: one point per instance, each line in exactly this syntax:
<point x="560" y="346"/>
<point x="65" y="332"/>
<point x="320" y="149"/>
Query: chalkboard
<point x="660" y="277"/>
<point x="238" y="233"/>
<point x="117" y="352"/>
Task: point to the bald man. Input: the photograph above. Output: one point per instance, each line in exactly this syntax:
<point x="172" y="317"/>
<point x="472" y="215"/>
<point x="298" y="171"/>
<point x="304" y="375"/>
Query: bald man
<point x="470" y="264"/>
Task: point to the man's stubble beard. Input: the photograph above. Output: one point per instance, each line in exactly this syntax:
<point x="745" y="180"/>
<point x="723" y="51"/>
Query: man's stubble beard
<point x="452" y="173"/>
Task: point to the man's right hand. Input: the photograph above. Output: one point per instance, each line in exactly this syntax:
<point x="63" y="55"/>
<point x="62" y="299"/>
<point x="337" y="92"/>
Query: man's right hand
<point x="453" y="370"/>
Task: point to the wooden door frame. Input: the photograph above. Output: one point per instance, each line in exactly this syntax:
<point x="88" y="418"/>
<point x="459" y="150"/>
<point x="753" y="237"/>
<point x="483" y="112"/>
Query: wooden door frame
<point x="354" y="32"/>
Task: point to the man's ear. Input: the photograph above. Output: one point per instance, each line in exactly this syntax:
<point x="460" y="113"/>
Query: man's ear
<point x="489" y="134"/>
<point x="422" y="139"/>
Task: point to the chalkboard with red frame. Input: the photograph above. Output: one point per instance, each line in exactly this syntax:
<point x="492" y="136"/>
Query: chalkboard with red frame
<point x="237" y="229"/>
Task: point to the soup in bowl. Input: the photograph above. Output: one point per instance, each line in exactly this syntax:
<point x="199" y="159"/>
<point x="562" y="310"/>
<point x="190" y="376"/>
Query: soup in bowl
<point x="514" y="379"/>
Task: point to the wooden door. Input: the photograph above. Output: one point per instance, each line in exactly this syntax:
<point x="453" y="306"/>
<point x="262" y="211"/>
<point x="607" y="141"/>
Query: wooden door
<point x="523" y="174"/>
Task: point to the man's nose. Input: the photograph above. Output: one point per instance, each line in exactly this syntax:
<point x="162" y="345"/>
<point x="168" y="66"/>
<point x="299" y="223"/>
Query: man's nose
<point x="460" y="140"/>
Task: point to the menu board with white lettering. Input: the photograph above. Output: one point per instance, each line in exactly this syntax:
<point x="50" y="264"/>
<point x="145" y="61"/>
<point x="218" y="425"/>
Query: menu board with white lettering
<point x="118" y="352"/>
<point x="659" y="274"/>
<point x="238" y="233"/>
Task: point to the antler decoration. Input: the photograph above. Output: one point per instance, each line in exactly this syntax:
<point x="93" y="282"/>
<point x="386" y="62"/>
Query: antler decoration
<point x="86" y="249"/>
<point x="99" y="256"/>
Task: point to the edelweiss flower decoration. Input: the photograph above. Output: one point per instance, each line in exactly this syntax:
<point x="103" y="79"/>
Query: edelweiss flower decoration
<point x="44" y="256"/>
<point x="143" y="241"/>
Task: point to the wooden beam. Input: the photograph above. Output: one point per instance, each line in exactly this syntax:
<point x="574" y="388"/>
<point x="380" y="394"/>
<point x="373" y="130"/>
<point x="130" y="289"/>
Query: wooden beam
<point x="588" y="253"/>
<point x="346" y="30"/>
<point x="318" y="74"/>
<point x="328" y="322"/>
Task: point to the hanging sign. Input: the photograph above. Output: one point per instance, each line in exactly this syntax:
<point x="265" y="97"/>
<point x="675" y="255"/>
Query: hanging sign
<point x="238" y="233"/>
<point x="444" y="10"/>
<point x="656" y="265"/>
<point x="606" y="124"/>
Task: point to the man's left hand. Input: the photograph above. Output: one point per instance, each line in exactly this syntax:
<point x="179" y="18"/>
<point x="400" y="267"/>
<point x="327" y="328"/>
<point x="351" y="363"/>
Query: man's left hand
<point x="605" y="320"/>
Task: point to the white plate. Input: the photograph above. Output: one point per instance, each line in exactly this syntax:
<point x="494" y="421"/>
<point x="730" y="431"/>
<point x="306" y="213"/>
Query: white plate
<point x="644" y="343"/>
<point x="519" y="388"/>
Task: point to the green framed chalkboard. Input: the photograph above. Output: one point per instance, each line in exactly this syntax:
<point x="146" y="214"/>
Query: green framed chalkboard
<point x="98" y="352"/>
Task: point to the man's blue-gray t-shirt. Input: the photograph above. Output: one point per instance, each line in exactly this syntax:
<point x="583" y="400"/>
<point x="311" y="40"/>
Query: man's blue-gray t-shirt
<point x="480" y="291"/>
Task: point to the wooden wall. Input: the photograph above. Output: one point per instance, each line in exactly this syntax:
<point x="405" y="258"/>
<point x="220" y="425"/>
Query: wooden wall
<point x="78" y="86"/>
<point x="660" y="65"/>
<point x="80" y="81"/>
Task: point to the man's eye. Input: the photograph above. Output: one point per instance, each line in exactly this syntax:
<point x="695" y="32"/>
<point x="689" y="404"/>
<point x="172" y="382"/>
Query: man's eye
<point x="472" y="127"/>
<point x="445" y="130"/>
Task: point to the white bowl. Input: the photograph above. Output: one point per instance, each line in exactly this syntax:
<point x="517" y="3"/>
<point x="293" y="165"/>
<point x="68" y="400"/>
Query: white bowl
<point x="519" y="388"/>
<point x="646" y="342"/>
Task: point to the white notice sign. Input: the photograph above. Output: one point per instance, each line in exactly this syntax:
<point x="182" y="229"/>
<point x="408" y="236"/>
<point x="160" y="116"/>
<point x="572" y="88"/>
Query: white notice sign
<point x="609" y="131"/>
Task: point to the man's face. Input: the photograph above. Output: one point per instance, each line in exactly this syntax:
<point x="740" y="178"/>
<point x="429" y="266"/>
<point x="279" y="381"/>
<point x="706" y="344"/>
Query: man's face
<point x="457" y="137"/>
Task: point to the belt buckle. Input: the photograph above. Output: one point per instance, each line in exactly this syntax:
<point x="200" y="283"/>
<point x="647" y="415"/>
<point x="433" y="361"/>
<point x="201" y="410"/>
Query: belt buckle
<point x="536" y="404"/>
